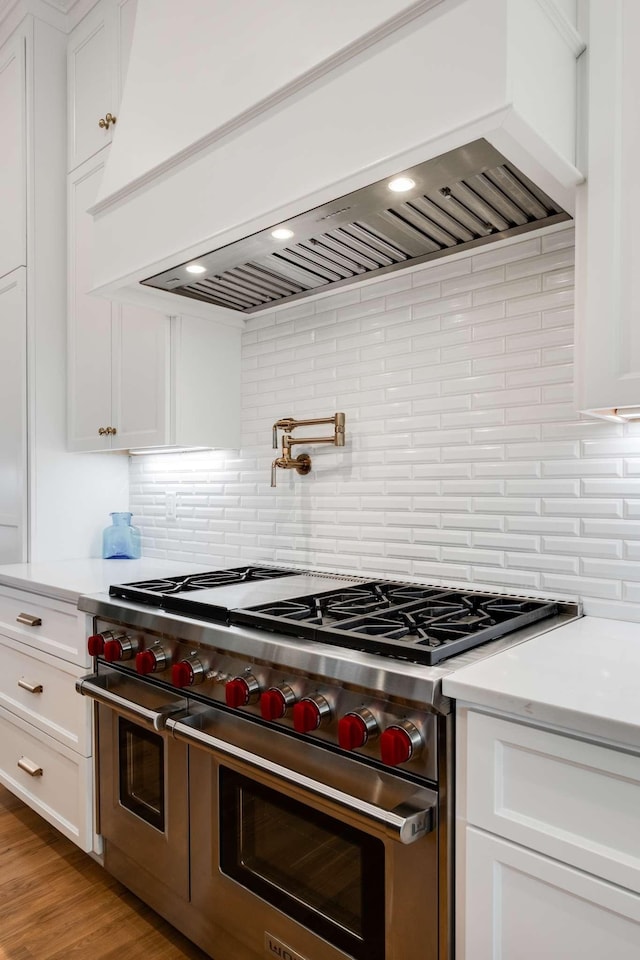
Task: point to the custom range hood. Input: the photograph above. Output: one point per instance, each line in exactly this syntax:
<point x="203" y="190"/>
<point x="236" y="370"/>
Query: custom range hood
<point x="235" y="124"/>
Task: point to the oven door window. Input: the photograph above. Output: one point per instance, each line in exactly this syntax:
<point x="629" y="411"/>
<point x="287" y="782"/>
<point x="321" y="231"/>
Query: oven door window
<point x="323" y="873"/>
<point x="141" y="763"/>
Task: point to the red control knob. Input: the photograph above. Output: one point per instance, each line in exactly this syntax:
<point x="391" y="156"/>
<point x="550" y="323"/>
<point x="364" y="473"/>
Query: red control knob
<point x="237" y="692"/>
<point x="273" y="704"/>
<point x="352" y="732"/>
<point x="112" y="651"/>
<point x="95" y="645"/>
<point x="309" y="713"/>
<point x="306" y="716"/>
<point x="182" y="674"/>
<point x="242" y="690"/>
<point x="145" y="662"/>
<point x="399" y="744"/>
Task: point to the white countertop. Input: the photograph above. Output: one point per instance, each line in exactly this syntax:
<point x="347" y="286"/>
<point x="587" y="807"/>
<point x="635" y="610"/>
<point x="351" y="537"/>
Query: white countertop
<point x="69" y="579"/>
<point x="584" y="677"/>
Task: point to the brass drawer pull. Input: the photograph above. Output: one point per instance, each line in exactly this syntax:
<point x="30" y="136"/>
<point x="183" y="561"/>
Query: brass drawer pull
<point x="31" y="687"/>
<point x="29" y="620"/>
<point x="30" y="767"/>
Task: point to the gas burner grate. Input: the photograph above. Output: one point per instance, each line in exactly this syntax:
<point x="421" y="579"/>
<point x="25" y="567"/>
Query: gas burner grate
<point x="153" y="591"/>
<point x="419" y="624"/>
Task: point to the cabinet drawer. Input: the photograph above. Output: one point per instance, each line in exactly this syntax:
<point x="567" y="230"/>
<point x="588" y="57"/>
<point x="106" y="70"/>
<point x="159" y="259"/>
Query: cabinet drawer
<point x="62" y="792"/>
<point x="577" y="802"/>
<point x="60" y="632"/>
<point x="523" y="906"/>
<point x="41" y="690"/>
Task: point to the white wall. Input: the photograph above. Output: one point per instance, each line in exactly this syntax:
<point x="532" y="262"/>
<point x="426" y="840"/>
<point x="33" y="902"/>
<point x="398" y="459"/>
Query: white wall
<point x="465" y="461"/>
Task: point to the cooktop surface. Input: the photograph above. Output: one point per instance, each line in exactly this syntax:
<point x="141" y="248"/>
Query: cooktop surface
<point x="419" y="623"/>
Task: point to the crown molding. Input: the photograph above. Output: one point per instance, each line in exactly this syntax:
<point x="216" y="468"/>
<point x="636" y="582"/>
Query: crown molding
<point x="62" y="14"/>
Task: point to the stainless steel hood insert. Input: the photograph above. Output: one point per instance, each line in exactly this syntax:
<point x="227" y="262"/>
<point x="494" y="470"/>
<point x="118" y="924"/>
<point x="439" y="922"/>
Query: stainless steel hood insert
<point x="465" y="198"/>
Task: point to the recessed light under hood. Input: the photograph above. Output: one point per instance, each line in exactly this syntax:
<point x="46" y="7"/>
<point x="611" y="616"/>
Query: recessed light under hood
<point x="463" y="199"/>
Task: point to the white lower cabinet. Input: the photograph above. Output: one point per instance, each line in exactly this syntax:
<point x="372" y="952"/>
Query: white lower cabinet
<point x="46" y="775"/>
<point x="548" y="844"/>
<point x="524" y="906"/>
<point x="45" y="727"/>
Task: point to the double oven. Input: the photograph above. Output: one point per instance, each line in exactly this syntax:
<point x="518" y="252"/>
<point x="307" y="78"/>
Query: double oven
<point x="255" y="843"/>
<point x="275" y="756"/>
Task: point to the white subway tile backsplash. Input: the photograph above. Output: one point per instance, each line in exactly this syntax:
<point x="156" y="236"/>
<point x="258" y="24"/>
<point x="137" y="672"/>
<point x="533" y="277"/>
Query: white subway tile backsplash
<point x="565" y="237"/>
<point x="506" y="292"/>
<point x="543" y="525"/>
<point x="481" y="278"/>
<point x="507" y="253"/>
<point x="508" y="326"/>
<point x="473" y="316"/>
<point x="582" y="586"/>
<point x="531" y="266"/>
<point x="544" y="563"/>
<point x="558" y="318"/>
<point x="521" y="362"/>
<point x="466" y="461"/>
<point x="584" y="547"/>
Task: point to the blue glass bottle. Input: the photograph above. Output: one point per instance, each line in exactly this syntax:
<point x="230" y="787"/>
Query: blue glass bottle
<point x="121" y="541"/>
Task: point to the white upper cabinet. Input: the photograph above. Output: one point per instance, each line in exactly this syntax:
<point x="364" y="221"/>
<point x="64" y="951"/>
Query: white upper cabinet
<point x="89" y="322"/>
<point x="118" y="355"/>
<point x="137" y="378"/>
<point x="13" y="241"/>
<point x="607" y="255"/>
<point x="98" y="56"/>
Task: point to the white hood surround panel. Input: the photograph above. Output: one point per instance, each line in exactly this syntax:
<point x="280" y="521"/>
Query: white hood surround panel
<point x="222" y="138"/>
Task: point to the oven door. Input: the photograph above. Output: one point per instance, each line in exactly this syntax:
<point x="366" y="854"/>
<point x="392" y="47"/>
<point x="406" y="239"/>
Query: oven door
<point x="306" y="854"/>
<point x="143" y="781"/>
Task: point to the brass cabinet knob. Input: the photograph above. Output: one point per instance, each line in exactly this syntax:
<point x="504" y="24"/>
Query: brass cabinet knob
<point x="105" y="122"/>
<point x="111" y="431"/>
<point x="103" y="431"/>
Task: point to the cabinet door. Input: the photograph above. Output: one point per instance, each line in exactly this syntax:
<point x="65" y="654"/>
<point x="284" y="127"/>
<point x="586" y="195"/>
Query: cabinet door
<point x="92" y="86"/>
<point x="608" y="281"/>
<point x="13" y="422"/>
<point x="206" y="383"/>
<point x="519" y="905"/>
<point x="13" y="241"/>
<point x="89" y="320"/>
<point x="140" y="378"/>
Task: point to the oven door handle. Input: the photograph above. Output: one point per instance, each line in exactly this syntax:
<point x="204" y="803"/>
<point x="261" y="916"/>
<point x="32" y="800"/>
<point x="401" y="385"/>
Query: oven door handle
<point x="407" y="822"/>
<point x="95" y="686"/>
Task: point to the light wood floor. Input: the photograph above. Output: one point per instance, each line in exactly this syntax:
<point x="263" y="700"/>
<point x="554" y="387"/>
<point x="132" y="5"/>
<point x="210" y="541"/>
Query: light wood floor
<point x="56" y="903"/>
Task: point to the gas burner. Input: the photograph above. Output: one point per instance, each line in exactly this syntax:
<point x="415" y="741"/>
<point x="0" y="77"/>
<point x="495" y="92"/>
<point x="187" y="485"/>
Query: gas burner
<point x="437" y="629"/>
<point x="410" y="592"/>
<point x="292" y="610"/>
<point x="354" y="603"/>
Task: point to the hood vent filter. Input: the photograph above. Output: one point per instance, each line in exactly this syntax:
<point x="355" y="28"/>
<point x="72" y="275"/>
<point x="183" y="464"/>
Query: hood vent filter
<point x="462" y="199"/>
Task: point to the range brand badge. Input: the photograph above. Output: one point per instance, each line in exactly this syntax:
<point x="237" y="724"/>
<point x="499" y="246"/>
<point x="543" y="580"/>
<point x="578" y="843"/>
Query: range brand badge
<point x="277" y="950"/>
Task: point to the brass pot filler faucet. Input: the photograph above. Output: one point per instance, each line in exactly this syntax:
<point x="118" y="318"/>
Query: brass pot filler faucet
<point x="302" y="463"/>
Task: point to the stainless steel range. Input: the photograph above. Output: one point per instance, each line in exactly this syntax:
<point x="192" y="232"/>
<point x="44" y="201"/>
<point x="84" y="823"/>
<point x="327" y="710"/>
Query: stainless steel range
<point x="275" y="754"/>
